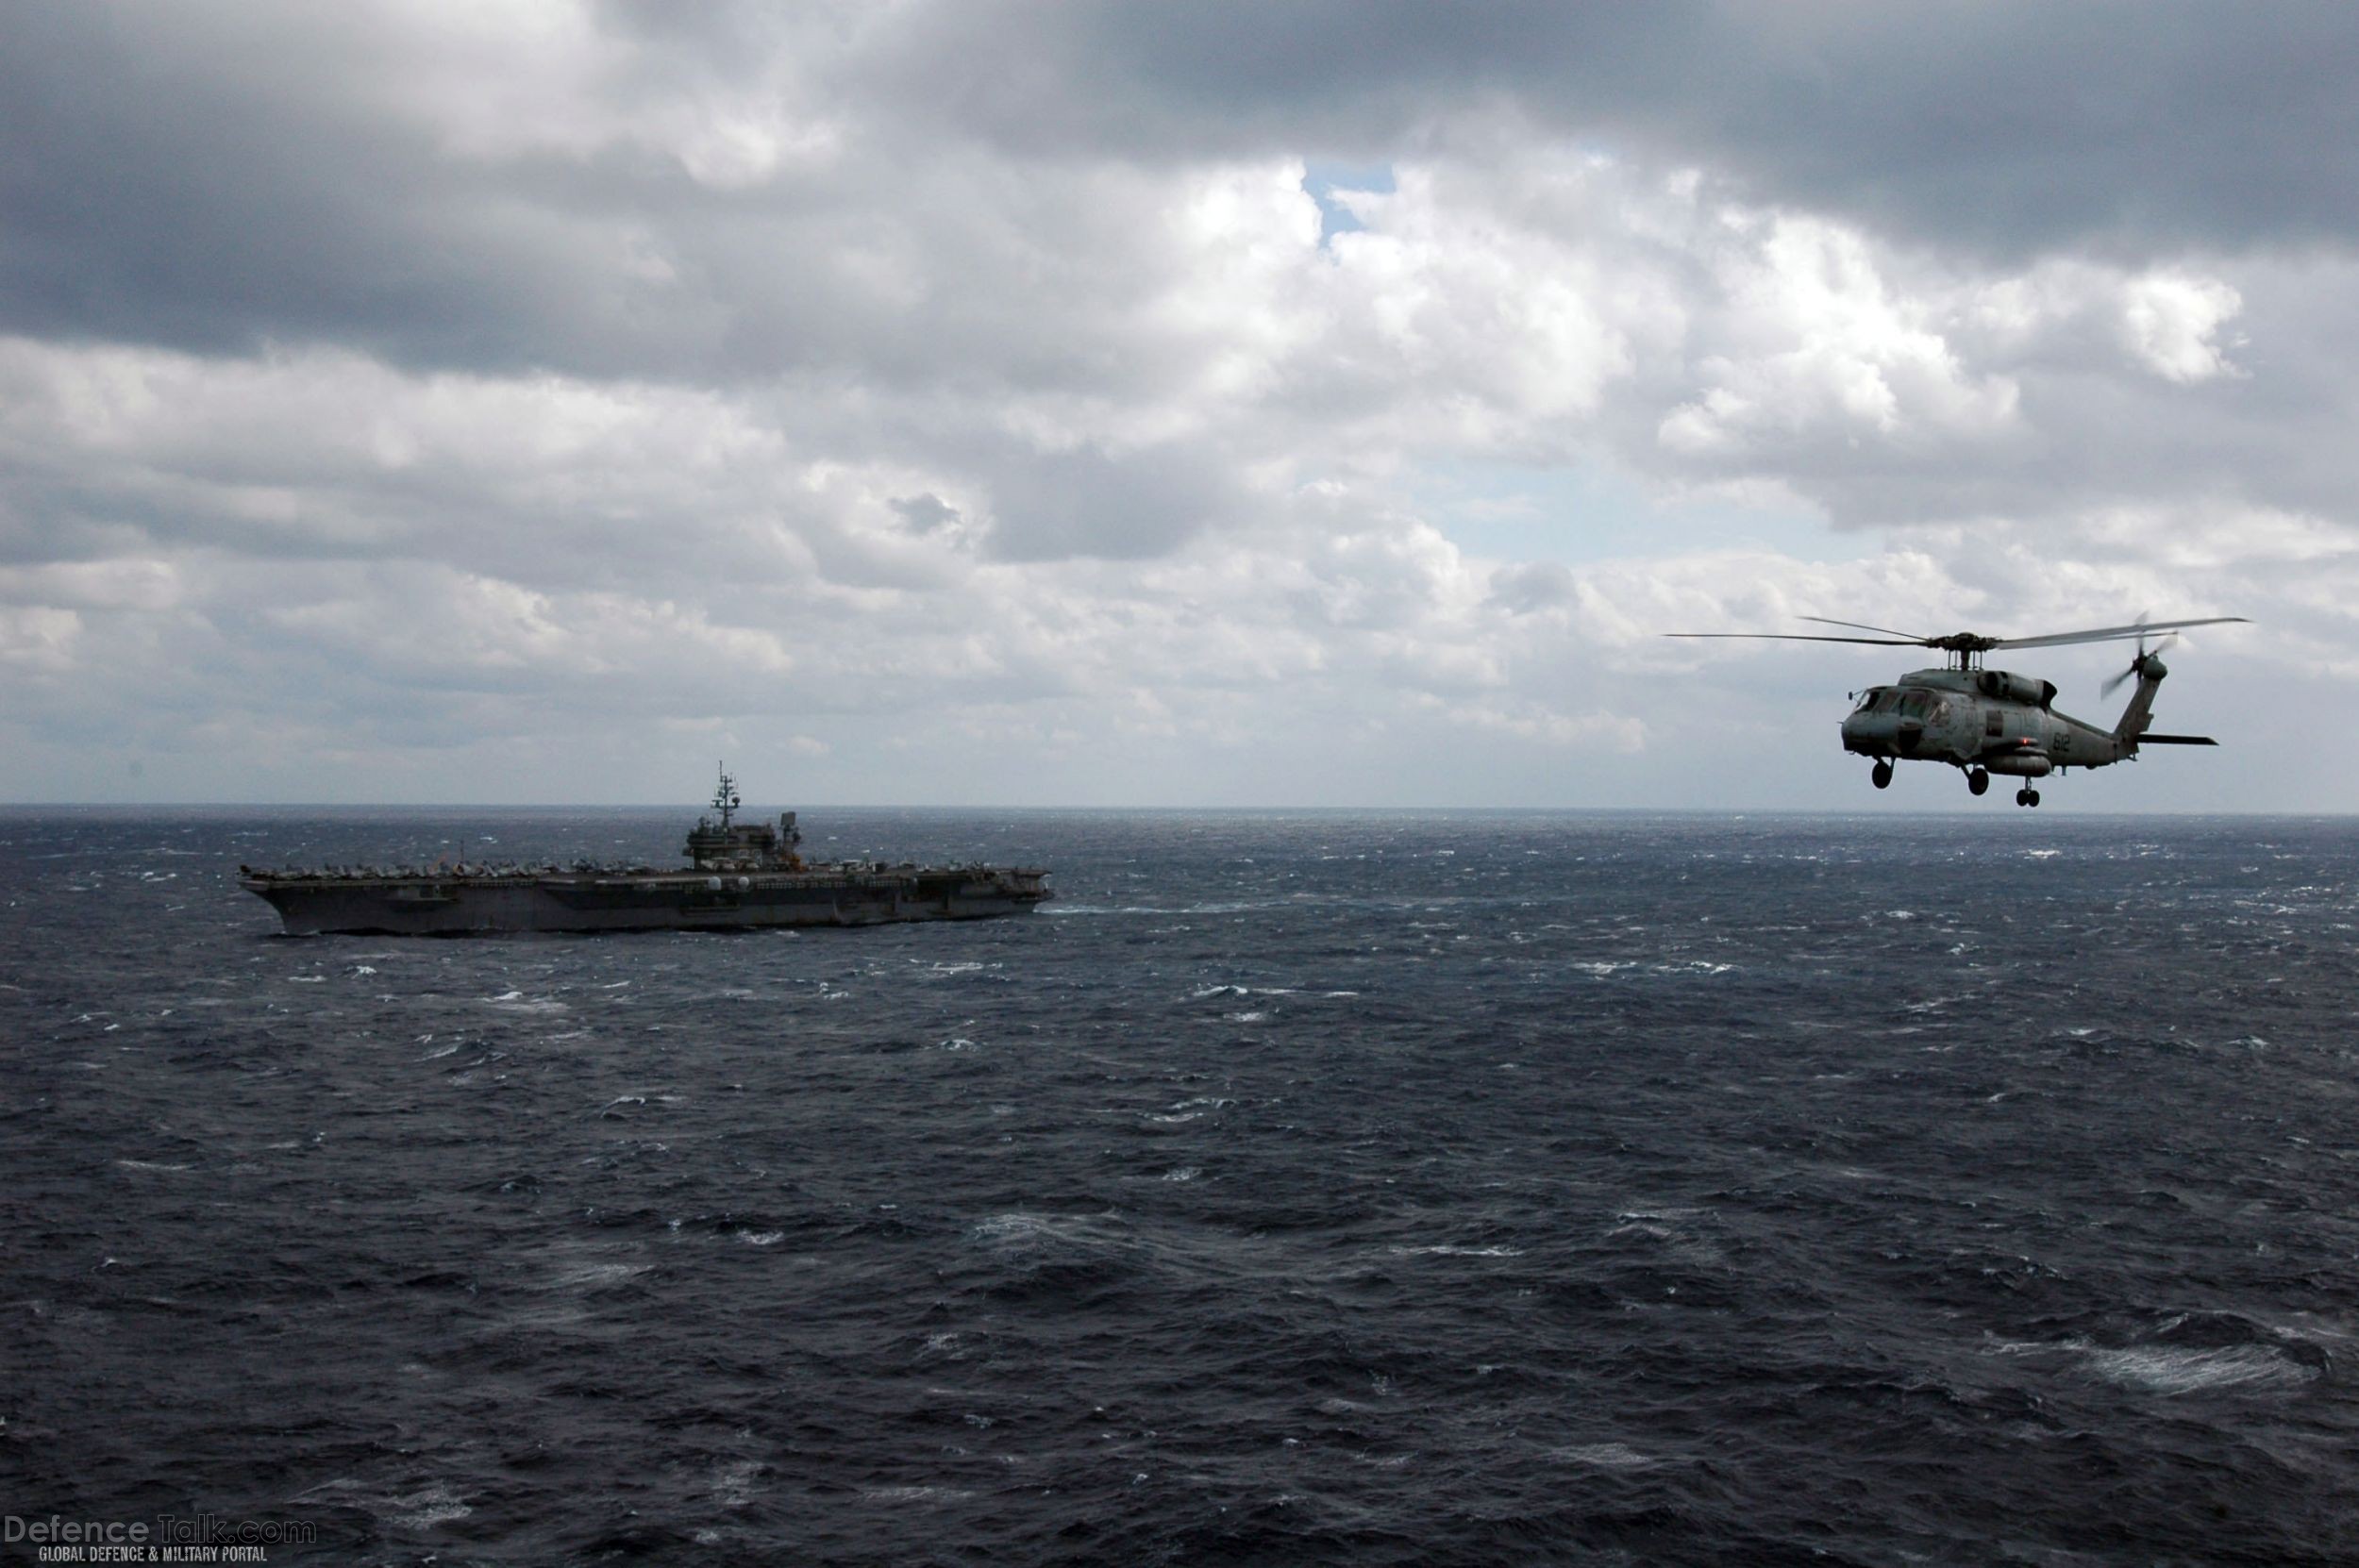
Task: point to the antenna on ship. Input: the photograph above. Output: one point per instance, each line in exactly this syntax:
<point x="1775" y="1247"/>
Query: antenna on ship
<point x="724" y="798"/>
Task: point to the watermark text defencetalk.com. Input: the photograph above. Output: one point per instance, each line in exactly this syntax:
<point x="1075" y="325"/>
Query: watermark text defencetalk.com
<point x="171" y="1538"/>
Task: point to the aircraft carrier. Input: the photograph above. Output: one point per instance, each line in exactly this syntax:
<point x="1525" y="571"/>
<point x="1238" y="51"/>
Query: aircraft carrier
<point x="739" y="877"/>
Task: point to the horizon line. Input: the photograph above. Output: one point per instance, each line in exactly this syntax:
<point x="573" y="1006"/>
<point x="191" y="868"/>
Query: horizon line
<point x="1891" y="809"/>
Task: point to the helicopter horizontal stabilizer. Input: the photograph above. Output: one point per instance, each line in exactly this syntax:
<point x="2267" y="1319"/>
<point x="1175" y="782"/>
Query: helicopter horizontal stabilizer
<point x="2177" y="740"/>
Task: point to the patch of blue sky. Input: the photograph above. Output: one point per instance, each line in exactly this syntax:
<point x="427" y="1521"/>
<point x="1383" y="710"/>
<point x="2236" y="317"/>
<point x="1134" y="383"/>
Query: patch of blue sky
<point x="1509" y="511"/>
<point x="1323" y="177"/>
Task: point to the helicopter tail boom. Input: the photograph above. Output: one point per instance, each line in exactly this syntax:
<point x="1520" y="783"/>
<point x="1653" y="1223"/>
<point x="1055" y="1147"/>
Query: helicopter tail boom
<point x="2140" y="712"/>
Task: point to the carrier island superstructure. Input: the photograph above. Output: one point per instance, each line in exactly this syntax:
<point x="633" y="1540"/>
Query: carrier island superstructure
<point x="740" y="875"/>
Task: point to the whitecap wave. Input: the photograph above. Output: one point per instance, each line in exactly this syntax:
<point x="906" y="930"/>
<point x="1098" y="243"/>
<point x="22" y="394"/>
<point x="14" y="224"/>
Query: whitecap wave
<point x="1450" y="1249"/>
<point x="1603" y="1456"/>
<point x="2170" y="1370"/>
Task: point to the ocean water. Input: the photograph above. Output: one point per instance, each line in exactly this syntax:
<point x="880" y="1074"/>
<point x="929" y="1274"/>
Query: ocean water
<point x="1296" y="1188"/>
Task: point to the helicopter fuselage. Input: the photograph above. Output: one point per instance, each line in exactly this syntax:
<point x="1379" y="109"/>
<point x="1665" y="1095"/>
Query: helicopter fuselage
<point x="1989" y="719"/>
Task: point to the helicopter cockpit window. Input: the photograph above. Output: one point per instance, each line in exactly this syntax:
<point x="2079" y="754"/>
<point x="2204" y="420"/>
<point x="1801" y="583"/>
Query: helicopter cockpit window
<point x="1866" y="700"/>
<point x="1917" y="705"/>
<point x="1885" y="699"/>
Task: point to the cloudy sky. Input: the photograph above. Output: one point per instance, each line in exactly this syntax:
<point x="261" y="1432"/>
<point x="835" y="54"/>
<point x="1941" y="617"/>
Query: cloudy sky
<point x="1209" y="404"/>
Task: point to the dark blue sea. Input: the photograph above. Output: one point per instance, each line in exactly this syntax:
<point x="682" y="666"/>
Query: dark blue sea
<point x="1298" y="1189"/>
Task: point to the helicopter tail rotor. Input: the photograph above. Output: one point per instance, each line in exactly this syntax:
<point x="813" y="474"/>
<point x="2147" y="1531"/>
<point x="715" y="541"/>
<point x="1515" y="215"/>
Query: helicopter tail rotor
<point x="2139" y="665"/>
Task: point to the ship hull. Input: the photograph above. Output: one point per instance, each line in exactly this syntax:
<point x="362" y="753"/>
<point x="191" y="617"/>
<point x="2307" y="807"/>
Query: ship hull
<point x="476" y="906"/>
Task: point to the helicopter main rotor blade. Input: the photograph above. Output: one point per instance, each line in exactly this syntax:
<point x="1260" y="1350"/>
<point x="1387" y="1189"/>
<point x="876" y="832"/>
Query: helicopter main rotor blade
<point x="1860" y="625"/>
<point x="1805" y="637"/>
<point x="2112" y="634"/>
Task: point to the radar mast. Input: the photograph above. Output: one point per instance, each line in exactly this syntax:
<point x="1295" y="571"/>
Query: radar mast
<point x="725" y="797"/>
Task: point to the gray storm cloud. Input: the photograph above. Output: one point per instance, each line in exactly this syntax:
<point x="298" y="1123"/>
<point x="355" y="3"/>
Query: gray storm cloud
<point x="2012" y="129"/>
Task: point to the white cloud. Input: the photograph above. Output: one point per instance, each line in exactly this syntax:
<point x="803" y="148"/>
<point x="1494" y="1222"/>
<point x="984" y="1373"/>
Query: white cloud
<point x="39" y="639"/>
<point x="1525" y="721"/>
<point x="2173" y="323"/>
<point x="1819" y="340"/>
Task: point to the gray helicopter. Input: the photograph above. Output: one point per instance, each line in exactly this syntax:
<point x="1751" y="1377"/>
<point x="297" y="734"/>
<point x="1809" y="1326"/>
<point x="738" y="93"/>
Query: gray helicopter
<point x="1992" y="721"/>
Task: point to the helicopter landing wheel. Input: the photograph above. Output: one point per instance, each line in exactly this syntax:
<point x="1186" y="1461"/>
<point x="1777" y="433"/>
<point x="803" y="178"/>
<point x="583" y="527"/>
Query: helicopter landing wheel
<point x="1977" y="781"/>
<point x="1881" y="775"/>
<point x="2030" y="798"/>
